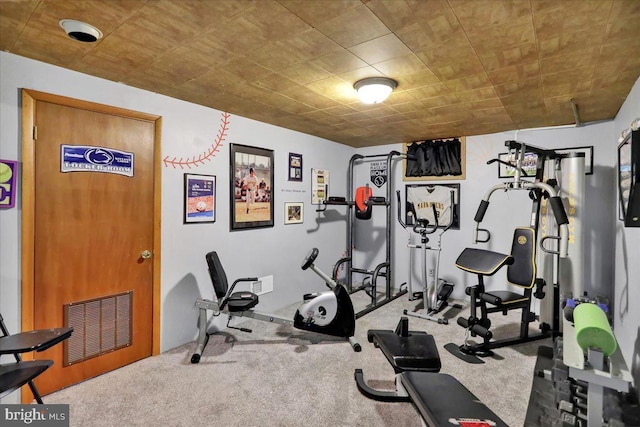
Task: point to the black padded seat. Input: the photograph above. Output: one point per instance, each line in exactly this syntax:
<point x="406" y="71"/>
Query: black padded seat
<point x="241" y="301"/>
<point x="15" y="375"/>
<point x="442" y="400"/>
<point x="480" y="261"/>
<point x="407" y="350"/>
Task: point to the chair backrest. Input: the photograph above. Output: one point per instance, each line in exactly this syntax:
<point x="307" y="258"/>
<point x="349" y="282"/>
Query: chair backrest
<point x="218" y="276"/>
<point x="523" y="250"/>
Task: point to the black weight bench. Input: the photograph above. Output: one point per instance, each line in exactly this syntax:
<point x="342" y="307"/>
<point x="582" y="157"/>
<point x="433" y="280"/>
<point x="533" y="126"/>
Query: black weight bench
<point x="439" y="398"/>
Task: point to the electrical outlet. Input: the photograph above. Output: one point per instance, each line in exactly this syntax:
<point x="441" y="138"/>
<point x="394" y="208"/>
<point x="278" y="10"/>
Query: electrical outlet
<point x="430" y="272"/>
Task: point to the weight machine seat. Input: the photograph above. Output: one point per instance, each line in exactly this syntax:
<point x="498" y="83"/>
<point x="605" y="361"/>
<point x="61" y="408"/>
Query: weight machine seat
<point x="481" y="261"/>
<point x="407" y="350"/>
<point x="237" y="301"/>
<point x="443" y="400"/>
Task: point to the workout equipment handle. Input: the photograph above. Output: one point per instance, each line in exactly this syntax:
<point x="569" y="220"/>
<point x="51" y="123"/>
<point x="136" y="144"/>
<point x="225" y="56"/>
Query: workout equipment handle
<point x="402" y="223"/>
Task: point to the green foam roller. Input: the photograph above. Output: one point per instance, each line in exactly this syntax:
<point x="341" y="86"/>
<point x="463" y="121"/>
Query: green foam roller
<point x="593" y="329"/>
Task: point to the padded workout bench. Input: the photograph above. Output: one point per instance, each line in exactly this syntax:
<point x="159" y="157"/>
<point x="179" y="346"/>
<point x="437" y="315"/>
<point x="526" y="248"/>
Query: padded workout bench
<point x="440" y="398"/>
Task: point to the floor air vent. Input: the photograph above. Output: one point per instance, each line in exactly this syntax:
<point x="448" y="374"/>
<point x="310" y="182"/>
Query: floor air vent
<point x="100" y="326"/>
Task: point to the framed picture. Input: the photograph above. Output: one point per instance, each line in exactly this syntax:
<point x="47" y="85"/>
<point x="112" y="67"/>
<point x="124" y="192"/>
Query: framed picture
<point x="199" y="198"/>
<point x="251" y="187"/>
<point x="445" y="197"/>
<point x="8" y="182"/>
<point x="588" y="156"/>
<point x="449" y="160"/>
<point x="529" y="164"/>
<point x="295" y="167"/>
<point x="319" y="186"/>
<point x="293" y="212"/>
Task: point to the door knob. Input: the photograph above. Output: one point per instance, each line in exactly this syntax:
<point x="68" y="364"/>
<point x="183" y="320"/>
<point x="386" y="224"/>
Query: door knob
<point x="145" y="254"/>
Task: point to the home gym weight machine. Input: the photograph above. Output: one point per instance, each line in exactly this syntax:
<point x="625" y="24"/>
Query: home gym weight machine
<point x="360" y="205"/>
<point x="329" y="313"/>
<point x="567" y="184"/>
<point x="434" y="294"/>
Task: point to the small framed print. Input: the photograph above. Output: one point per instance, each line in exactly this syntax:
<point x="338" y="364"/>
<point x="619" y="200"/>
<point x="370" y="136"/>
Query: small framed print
<point x="293" y="212"/>
<point x="529" y="164"/>
<point x="199" y="198"/>
<point x="295" y="167"/>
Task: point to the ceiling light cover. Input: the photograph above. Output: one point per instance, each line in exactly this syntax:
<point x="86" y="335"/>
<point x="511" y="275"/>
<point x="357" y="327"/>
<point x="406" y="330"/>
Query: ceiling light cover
<point x="80" y="31"/>
<point x="374" y="90"/>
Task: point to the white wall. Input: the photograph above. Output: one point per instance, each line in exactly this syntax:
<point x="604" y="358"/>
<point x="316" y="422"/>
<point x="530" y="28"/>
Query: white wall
<point x="627" y="254"/>
<point x="187" y="130"/>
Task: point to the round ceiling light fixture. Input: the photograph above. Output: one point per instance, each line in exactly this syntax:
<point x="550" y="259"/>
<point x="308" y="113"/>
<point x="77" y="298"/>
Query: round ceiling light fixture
<point x="80" y="31"/>
<point x="374" y="90"/>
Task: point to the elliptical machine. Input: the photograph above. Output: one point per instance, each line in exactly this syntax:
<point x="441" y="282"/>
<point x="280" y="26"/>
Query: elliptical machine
<point x="436" y="293"/>
<point x="329" y="312"/>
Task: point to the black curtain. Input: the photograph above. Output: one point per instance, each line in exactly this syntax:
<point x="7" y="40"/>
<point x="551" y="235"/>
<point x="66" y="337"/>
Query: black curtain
<point x="434" y="158"/>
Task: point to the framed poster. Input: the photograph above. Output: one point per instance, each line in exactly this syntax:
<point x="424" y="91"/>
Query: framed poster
<point x="319" y="186"/>
<point x="529" y="164"/>
<point x="199" y="198"/>
<point x="293" y="212"/>
<point x="447" y="160"/>
<point x="588" y="156"/>
<point x="251" y="187"/>
<point x="8" y="189"/>
<point x="295" y="167"/>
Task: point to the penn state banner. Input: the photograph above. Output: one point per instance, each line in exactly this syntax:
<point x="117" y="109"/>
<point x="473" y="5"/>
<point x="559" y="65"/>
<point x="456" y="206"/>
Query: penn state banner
<point x="85" y="158"/>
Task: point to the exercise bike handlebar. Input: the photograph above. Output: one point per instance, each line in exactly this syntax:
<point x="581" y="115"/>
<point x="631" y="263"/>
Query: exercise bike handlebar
<point x="308" y="263"/>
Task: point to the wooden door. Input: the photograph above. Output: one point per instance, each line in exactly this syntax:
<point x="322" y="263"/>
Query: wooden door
<point x="94" y="238"/>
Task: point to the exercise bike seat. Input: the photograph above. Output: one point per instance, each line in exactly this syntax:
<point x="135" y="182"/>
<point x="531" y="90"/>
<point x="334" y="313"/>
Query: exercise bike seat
<point x="241" y="301"/>
<point x="407" y="350"/>
<point x="483" y="262"/>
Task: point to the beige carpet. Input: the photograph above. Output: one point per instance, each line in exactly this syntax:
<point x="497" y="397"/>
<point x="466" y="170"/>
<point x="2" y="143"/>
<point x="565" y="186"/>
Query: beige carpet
<point x="280" y="376"/>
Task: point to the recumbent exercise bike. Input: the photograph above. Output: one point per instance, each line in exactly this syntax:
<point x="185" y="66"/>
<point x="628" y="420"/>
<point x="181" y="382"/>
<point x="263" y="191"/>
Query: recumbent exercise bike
<point x="329" y="312"/>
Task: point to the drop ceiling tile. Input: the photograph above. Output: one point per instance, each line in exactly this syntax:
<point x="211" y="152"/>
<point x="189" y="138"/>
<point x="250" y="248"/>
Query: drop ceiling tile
<point x="304" y="72"/>
<point x="353" y="27"/>
<point x="477" y="16"/>
<point x="339" y="62"/>
<point x="400" y="14"/>
<point x="401" y="66"/>
<point x="380" y="49"/>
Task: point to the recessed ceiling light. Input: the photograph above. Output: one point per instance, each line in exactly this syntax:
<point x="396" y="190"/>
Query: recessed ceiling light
<point x="80" y="31"/>
<point x="374" y="90"/>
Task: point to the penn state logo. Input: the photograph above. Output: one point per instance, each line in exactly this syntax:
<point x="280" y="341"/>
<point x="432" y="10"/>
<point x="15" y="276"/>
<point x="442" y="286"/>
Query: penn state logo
<point x="98" y="156"/>
<point x="522" y="240"/>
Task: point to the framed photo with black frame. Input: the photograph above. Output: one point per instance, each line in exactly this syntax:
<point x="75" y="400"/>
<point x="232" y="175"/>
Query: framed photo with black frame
<point x="588" y="156"/>
<point x="295" y="167"/>
<point x="199" y="198"/>
<point x="529" y="164"/>
<point x="420" y="198"/>
<point x="252" y="177"/>
<point x="629" y="179"/>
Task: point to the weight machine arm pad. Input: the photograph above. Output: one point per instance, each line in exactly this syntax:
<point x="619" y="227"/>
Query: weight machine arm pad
<point x="482" y="262"/>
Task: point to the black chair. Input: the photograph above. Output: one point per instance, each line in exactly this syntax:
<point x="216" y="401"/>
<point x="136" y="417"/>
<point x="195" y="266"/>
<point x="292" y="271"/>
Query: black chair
<point x="15" y="375"/>
<point x="521" y="273"/>
<point x="234" y="301"/>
